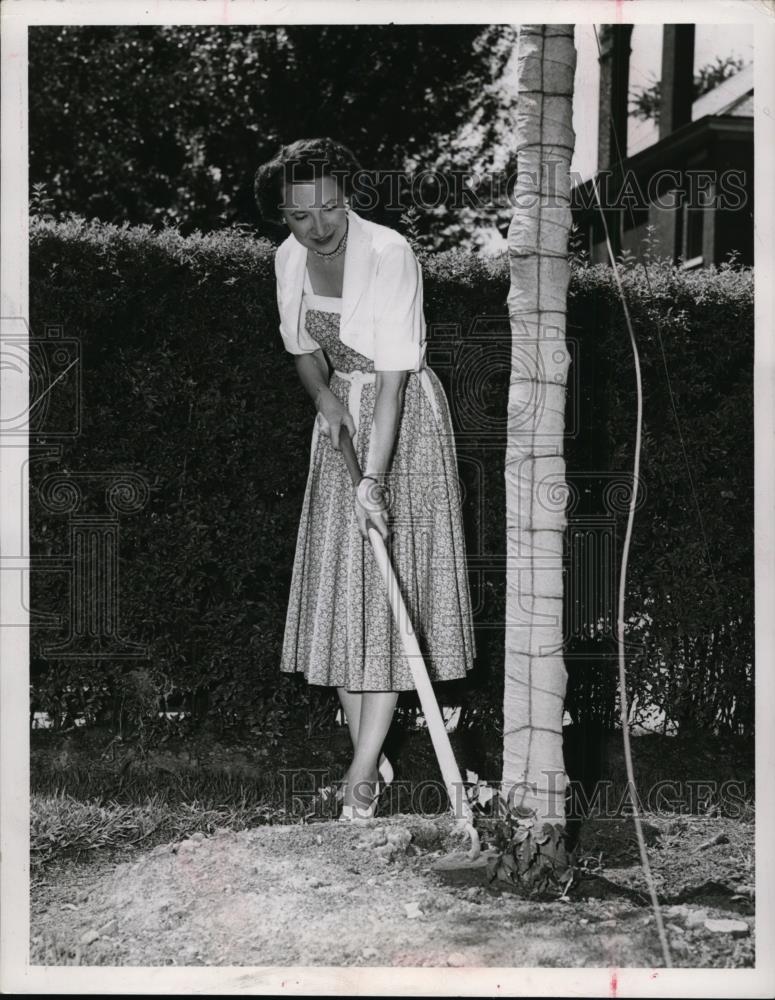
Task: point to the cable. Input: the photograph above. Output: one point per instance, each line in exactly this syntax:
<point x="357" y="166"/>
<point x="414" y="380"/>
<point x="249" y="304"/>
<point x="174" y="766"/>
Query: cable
<point x="663" y="353"/>
<point x="623" y="705"/>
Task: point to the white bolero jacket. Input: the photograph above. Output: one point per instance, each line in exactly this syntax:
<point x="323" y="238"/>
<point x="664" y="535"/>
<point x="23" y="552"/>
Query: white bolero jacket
<point x="382" y="308"/>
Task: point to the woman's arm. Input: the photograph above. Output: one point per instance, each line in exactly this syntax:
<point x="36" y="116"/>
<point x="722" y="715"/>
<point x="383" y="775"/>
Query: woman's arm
<point x="388" y="401"/>
<point x="313" y="372"/>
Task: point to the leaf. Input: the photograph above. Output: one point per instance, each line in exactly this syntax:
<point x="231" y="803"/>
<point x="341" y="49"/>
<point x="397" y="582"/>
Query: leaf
<point x="485" y="794"/>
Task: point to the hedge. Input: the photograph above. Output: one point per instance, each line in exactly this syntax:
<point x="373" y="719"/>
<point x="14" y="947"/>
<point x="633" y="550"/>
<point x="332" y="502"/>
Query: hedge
<point x="184" y="384"/>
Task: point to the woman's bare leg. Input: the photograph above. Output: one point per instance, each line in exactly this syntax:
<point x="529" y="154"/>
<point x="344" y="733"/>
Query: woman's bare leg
<point x="376" y="715"/>
<point x="351" y="703"/>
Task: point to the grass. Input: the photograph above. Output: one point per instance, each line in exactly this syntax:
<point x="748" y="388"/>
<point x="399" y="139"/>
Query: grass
<point x="92" y="792"/>
<point x="187" y="785"/>
<point x="62" y="826"/>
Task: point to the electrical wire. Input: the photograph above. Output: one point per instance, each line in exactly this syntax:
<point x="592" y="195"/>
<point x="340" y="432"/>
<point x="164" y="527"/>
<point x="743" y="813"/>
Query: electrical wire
<point x="663" y="354"/>
<point x="623" y="704"/>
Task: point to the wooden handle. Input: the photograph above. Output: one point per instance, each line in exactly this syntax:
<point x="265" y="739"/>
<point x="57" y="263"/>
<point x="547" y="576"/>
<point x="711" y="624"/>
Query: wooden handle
<point x="348" y="453"/>
<point x="428" y="704"/>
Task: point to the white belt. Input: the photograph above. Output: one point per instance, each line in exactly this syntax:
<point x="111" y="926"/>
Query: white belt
<point x="357" y="380"/>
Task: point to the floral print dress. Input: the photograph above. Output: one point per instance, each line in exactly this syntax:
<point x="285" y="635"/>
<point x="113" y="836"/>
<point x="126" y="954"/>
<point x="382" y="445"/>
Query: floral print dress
<point x="340" y="629"/>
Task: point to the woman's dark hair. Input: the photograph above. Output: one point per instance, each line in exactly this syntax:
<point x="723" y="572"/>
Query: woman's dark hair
<point x="303" y="160"/>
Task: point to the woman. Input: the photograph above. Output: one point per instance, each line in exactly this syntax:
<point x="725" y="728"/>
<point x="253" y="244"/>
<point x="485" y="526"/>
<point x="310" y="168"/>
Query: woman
<point x="349" y="294"/>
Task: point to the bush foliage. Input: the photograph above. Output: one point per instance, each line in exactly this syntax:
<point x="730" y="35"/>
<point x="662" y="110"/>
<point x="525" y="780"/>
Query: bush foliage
<point x="184" y="384"/>
<point x="166" y="124"/>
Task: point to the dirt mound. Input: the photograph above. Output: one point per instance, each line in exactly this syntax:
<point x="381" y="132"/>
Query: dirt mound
<point x="337" y="894"/>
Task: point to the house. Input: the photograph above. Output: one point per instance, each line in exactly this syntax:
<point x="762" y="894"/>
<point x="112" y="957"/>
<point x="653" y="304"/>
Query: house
<point x="690" y="176"/>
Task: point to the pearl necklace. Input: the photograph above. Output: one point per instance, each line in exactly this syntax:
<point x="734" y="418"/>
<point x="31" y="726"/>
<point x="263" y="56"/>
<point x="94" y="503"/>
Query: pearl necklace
<point x="339" y="250"/>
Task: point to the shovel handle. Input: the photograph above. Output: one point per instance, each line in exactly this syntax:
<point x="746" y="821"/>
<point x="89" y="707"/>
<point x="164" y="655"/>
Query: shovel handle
<point x="348" y="453"/>
<point x="428" y="703"/>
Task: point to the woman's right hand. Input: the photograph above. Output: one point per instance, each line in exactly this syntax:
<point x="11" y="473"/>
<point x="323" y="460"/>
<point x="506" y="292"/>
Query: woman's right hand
<point x="333" y="416"/>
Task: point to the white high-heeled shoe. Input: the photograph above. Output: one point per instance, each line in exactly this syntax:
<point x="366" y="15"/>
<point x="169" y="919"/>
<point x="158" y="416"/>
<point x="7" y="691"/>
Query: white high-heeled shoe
<point x="336" y="791"/>
<point x="353" y="812"/>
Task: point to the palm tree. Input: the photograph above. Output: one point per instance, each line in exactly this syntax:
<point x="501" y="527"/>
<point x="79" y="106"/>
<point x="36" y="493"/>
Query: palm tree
<point x="535" y="678"/>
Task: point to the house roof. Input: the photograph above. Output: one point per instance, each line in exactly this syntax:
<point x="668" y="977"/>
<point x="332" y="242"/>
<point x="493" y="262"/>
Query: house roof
<point x="733" y="96"/>
<point x="672" y="147"/>
<point x="730" y="97"/>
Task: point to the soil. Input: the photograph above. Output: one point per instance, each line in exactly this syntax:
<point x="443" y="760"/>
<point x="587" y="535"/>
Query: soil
<point x="343" y="894"/>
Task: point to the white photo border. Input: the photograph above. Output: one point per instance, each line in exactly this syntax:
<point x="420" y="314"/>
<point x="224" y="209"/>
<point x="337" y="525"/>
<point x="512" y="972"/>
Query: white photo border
<point x="16" y="974"/>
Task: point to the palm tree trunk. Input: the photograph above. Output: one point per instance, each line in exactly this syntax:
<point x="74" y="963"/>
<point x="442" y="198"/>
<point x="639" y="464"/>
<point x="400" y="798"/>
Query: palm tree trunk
<point x="535" y="679"/>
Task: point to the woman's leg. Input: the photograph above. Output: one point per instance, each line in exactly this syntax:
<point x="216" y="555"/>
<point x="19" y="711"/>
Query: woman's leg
<point x="376" y="715"/>
<point x="351" y="703"/>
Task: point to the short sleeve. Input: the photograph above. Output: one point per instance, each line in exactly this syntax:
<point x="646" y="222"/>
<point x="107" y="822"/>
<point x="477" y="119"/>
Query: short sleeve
<point x="399" y="325"/>
<point x="295" y="341"/>
<point x="305" y="343"/>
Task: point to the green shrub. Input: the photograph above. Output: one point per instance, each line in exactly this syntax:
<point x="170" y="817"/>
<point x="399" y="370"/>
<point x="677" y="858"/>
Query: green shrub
<point x="689" y="599"/>
<point x="185" y="384"/>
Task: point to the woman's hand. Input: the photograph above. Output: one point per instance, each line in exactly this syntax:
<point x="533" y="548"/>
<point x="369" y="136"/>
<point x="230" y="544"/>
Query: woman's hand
<point x="371" y="508"/>
<point x="333" y="415"/>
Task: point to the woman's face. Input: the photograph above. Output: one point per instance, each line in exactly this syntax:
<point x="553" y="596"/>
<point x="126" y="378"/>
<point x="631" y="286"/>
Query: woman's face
<point x="315" y="212"/>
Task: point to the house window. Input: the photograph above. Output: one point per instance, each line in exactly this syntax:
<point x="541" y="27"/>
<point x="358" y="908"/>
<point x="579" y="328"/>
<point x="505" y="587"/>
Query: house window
<point x="693" y="234"/>
<point x="634" y="217"/>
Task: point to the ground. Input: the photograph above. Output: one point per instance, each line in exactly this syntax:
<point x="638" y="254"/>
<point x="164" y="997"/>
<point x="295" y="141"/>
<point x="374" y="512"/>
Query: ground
<point x="337" y="894"/>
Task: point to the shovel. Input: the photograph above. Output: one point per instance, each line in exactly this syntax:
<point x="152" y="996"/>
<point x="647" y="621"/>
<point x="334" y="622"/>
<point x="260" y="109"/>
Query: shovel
<point x="450" y="772"/>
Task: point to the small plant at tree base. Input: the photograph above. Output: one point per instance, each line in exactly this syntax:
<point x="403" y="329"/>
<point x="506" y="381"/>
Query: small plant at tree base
<point x="532" y="856"/>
